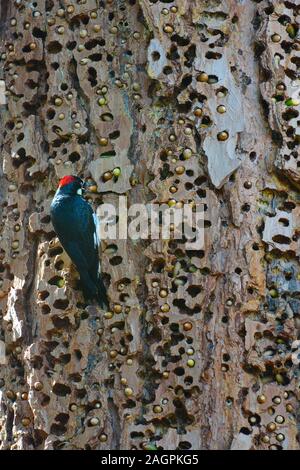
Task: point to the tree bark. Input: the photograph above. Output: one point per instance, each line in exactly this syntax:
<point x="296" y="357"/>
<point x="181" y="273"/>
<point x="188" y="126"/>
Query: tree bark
<point x="196" y="101"/>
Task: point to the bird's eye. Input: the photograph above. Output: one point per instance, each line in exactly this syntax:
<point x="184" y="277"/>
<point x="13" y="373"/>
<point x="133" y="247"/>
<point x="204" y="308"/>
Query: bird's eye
<point x="79" y="191"/>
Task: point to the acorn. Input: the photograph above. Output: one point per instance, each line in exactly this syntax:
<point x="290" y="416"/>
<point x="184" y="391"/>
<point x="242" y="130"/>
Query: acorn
<point x="128" y="391"/>
<point x="172" y="202"/>
<point x="279" y="378"/>
<point x="291" y="30"/>
<point x="168" y="29"/>
<point x="279" y="419"/>
<point x="103" y="437"/>
<point x="187" y="326"/>
<point x="113" y="354"/>
<point x="94" y="421"/>
<point x="174" y="9"/>
<point x="10" y="394"/>
<point x="172" y="137"/>
<point x="60" y="283"/>
<point x="163" y="293"/>
<point x="116" y="172"/>
<point x="222" y="136"/>
<point x="166" y="374"/>
<point x="83" y="33"/>
<point x="157" y="409"/>
<point x="179" y="170"/>
<point x="289" y="408"/>
<point x="118" y="308"/>
<point x="108" y="315"/>
<point x="61" y="30"/>
<point x="73" y="407"/>
<point x="292" y="102"/>
<point x="107" y="176"/>
<point x="136" y="35"/>
<point x="97" y="28"/>
<point x="70" y="9"/>
<point x="60" y="12"/>
<point x="24" y="396"/>
<point x="173" y="189"/>
<point x="271" y="427"/>
<point x="190" y="363"/>
<point x="187" y="153"/>
<point x="261" y="398"/>
<point x="26" y="422"/>
<point x="190" y="352"/>
<point x="221" y="109"/>
<point x="165" y="308"/>
<point x="276" y="37"/>
<point x="129" y="362"/>
<point x="198" y="112"/>
<point x="252" y="420"/>
<point x="103" y="141"/>
<point x="188" y="131"/>
<point x="277" y="400"/>
<point x="265" y="439"/>
<point x="114" y="30"/>
<point x="280" y="437"/>
<point x="202" y="77"/>
<point x="58" y="101"/>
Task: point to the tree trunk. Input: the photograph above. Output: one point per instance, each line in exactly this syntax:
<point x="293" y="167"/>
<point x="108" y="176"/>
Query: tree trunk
<point x="195" y="101"/>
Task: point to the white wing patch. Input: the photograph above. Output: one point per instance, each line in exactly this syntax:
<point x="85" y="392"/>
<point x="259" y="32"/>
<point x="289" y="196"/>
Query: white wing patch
<point x="96" y="237"/>
<point x="97" y="228"/>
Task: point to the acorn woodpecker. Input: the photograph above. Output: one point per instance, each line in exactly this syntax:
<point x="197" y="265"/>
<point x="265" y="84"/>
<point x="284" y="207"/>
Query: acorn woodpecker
<point x="75" y="225"/>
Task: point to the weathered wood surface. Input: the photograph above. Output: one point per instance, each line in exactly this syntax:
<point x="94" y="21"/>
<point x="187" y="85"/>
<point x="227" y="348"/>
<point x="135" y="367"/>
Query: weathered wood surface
<point x="93" y="85"/>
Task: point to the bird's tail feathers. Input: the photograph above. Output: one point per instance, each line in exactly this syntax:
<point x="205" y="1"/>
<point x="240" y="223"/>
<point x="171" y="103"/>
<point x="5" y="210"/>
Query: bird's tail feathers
<point x="102" y="294"/>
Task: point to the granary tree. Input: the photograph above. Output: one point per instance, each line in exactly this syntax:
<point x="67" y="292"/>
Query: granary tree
<point x="155" y="101"/>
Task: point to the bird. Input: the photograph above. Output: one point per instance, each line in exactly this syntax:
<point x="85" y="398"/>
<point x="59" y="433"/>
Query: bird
<point x="75" y="225"/>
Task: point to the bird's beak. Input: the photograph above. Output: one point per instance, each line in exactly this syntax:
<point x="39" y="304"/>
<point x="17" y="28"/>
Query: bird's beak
<point x="89" y="187"/>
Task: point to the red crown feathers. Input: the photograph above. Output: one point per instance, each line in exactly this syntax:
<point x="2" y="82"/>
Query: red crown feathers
<point x="66" y="180"/>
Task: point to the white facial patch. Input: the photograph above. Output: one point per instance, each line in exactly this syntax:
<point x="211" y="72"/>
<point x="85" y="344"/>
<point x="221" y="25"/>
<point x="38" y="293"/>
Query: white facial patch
<point x="79" y="191"/>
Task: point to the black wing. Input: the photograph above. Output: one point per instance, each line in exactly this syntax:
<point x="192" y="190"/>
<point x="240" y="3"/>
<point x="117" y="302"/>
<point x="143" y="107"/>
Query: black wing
<point x="73" y="222"/>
